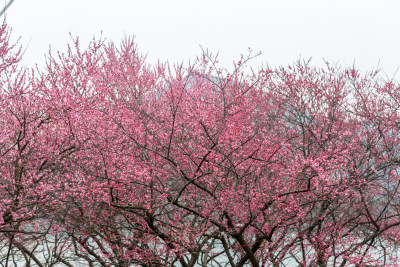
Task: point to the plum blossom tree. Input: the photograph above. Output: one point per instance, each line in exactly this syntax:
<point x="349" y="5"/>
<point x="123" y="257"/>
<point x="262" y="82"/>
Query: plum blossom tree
<point x="109" y="161"/>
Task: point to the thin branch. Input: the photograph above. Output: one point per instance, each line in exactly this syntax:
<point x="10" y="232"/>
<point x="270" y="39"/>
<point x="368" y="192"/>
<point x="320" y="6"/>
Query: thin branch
<point x="6" y="7"/>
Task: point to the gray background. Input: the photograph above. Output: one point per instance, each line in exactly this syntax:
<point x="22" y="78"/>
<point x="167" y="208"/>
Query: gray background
<point x="363" y="32"/>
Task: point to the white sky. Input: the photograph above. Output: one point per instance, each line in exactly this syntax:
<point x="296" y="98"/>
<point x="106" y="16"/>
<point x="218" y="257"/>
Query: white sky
<point x="344" y="31"/>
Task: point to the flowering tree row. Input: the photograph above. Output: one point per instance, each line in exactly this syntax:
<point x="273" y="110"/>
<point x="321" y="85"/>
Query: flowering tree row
<point x="106" y="160"/>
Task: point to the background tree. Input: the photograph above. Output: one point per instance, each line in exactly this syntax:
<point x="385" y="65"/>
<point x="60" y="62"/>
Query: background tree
<point x="108" y="161"/>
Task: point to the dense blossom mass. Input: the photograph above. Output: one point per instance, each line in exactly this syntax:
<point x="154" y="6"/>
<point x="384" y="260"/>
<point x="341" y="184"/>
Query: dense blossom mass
<point x="106" y="160"/>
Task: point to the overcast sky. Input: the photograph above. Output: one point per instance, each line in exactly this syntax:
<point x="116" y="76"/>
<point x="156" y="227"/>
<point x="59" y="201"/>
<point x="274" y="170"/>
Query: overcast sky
<point x="364" y="31"/>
